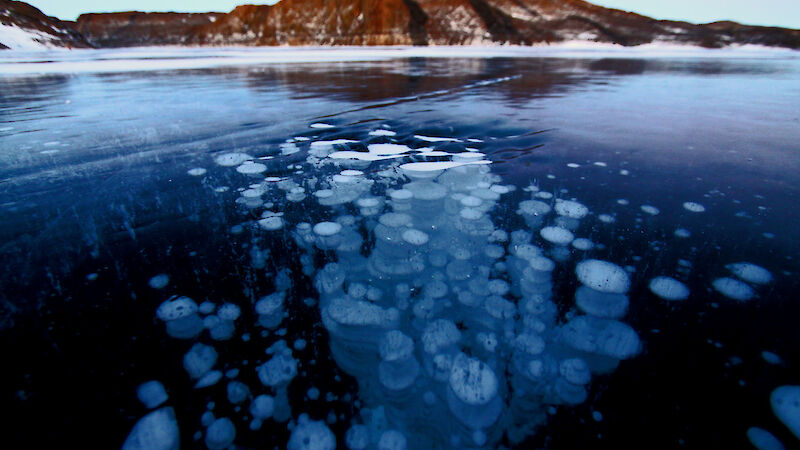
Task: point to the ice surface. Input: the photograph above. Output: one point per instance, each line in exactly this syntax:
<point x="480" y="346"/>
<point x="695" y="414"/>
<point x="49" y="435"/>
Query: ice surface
<point x="176" y="58"/>
<point x="447" y="314"/>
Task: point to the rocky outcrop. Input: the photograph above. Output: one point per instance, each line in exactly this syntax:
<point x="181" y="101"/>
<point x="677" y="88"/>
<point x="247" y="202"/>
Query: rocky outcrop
<point x="465" y="22"/>
<point x="24" y="27"/>
<point x="395" y="22"/>
<point x="131" y="29"/>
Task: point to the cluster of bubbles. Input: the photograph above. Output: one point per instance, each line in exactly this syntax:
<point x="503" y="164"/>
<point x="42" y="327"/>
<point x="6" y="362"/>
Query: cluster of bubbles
<point x="449" y="324"/>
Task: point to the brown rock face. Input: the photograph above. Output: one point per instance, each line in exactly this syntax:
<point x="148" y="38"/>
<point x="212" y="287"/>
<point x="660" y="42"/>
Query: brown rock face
<point x="415" y="22"/>
<point x="313" y="22"/>
<point x="53" y="31"/>
<point x="464" y="22"/>
<point x="130" y="29"/>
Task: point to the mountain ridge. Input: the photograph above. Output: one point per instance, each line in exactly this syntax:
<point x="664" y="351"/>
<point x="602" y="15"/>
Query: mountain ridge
<point x="23" y="25"/>
<point x="408" y="22"/>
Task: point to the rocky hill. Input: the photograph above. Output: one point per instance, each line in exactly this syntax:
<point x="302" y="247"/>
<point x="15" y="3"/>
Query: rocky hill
<point x="26" y="28"/>
<point x="415" y="22"/>
<point x="131" y="29"/>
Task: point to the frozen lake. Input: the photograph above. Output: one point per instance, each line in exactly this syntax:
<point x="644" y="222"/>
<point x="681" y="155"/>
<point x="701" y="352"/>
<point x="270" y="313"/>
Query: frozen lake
<point x="453" y="248"/>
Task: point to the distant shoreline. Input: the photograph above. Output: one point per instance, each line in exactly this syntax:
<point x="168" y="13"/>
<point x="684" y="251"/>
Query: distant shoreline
<point x="139" y="59"/>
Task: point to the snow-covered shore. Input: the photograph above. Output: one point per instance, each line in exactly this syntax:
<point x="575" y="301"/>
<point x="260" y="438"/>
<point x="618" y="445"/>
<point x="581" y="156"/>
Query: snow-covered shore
<point x="20" y="62"/>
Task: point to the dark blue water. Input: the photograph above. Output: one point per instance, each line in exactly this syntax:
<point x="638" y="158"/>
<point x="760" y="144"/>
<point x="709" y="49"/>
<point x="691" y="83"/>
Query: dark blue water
<point x="95" y="200"/>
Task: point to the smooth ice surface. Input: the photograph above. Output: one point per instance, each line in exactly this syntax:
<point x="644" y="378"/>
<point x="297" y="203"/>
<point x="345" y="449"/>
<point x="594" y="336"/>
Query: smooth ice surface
<point x="98" y="198"/>
<point x="174" y="58"/>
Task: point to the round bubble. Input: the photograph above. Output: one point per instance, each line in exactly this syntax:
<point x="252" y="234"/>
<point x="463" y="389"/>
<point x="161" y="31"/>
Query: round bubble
<point x="603" y="276"/>
<point x="694" y="207"/>
<point x="750" y="272"/>
<point x="232" y="159"/>
<point x="733" y="289"/>
<point x="785" y="402"/>
<point x="668" y="288"/>
<point x="556" y="235"/>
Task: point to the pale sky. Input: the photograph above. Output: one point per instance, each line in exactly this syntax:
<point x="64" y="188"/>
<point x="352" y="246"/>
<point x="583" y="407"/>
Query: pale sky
<point x="71" y="9"/>
<point x="784" y="13"/>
